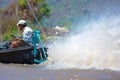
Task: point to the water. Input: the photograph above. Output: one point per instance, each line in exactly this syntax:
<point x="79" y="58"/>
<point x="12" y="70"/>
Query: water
<point x="38" y="72"/>
<point x="98" y="46"/>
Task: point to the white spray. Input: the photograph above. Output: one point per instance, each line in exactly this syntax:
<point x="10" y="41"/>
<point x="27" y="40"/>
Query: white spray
<point x="97" y="47"/>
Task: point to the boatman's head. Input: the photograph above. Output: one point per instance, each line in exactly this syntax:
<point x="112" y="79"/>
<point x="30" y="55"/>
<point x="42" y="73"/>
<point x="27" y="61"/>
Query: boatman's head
<point x="21" y="24"/>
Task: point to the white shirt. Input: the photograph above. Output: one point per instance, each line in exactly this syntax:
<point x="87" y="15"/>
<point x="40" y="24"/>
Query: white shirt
<point x="27" y="34"/>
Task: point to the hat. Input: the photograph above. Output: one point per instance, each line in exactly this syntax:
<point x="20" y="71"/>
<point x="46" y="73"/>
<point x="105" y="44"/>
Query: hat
<point x="22" y="22"/>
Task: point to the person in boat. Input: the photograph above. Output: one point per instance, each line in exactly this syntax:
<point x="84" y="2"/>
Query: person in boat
<point x="26" y="35"/>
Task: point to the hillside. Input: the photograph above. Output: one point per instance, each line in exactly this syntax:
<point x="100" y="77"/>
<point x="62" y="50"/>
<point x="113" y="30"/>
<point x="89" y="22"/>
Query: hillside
<point x="72" y="12"/>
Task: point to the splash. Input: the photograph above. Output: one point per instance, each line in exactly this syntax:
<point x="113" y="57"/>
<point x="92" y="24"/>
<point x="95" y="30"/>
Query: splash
<point x="97" y="47"/>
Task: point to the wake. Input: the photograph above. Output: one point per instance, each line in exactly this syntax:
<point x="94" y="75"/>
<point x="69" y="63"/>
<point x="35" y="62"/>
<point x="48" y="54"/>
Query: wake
<point x="97" y="46"/>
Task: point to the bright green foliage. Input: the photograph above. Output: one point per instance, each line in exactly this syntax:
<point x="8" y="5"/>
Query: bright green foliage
<point x="7" y="36"/>
<point x="45" y="10"/>
<point x="1" y="10"/>
<point x="40" y="1"/>
<point x="22" y="2"/>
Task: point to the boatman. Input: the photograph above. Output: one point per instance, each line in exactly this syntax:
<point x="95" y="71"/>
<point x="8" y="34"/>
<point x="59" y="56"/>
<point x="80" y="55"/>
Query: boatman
<point x="26" y="35"/>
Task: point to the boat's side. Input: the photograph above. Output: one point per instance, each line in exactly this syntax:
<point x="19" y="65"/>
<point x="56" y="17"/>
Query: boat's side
<point x="17" y="55"/>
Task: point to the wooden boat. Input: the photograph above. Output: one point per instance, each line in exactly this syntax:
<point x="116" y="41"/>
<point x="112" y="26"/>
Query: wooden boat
<point x="23" y="55"/>
<point x="29" y="54"/>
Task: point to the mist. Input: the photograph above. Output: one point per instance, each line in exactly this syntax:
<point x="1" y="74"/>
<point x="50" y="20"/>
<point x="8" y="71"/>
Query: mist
<point x="96" y="46"/>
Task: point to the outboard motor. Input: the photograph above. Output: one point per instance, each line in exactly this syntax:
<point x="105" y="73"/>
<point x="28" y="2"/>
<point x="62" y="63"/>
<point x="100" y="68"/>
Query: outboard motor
<point x="41" y="52"/>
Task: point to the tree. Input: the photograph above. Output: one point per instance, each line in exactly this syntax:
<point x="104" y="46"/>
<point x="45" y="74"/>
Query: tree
<point x="0" y="26"/>
<point x="16" y="10"/>
<point x="31" y="10"/>
<point x="36" y="19"/>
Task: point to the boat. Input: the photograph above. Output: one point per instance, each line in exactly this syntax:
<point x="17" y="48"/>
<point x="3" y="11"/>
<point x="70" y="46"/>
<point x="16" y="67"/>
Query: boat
<point x="28" y="54"/>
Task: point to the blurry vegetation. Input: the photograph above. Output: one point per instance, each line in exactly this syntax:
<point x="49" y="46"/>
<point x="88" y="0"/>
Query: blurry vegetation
<point x="67" y="13"/>
<point x="9" y="17"/>
<point x="1" y="10"/>
<point x="12" y="30"/>
<point x="63" y="13"/>
<point x="22" y="2"/>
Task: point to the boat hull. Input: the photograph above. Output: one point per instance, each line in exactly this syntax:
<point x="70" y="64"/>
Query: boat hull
<point x="22" y="55"/>
<point x="17" y="55"/>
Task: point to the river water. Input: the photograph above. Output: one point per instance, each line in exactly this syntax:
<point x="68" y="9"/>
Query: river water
<point x="37" y="72"/>
<point x="88" y="54"/>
